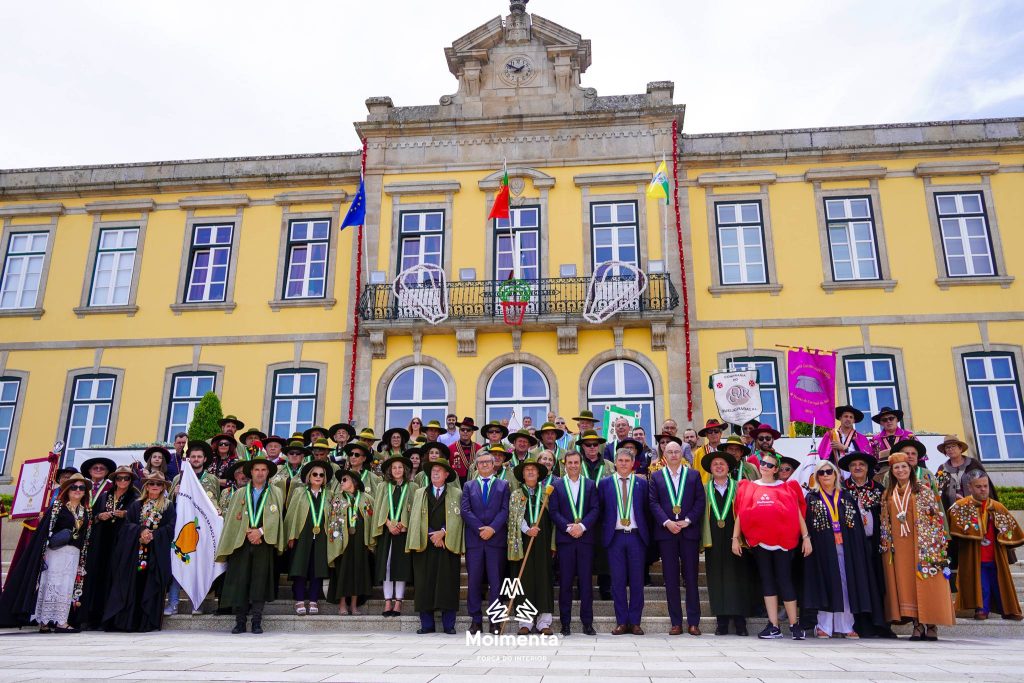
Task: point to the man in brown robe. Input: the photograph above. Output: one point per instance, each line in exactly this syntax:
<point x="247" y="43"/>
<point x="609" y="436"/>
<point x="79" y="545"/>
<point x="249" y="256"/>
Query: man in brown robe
<point x="985" y="531"/>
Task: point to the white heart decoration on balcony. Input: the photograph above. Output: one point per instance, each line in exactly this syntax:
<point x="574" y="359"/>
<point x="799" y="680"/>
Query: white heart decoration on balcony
<point x="614" y="287"/>
<point x="422" y="292"/>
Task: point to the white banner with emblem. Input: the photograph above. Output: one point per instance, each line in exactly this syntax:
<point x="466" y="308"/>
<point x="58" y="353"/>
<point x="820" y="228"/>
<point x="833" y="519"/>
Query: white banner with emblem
<point x="737" y="395"/>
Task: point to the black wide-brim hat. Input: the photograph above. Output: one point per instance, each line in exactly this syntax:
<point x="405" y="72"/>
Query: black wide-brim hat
<point x="322" y="464"/>
<point x="206" y="448"/>
<point x="385" y="438"/>
<point x="363" y="449"/>
<point x="349" y="429"/>
<point x="877" y="417"/>
<point x="542" y="469"/>
<point x="225" y="437"/>
<point x="849" y="458"/>
<point x="495" y="425"/>
<point x="229" y="473"/>
<point x="107" y="462"/>
<point x="156" y="449"/>
<point x="708" y="458"/>
<point x="247" y="466"/>
<point x="922" y="450"/>
<point x="857" y="414"/>
<point x="440" y="462"/>
<point x="232" y="419"/>
<point x="789" y="460"/>
<point x="317" y="428"/>
<point x="427" y="445"/>
<point x="523" y="434"/>
<point x="354" y="476"/>
<point x="275" y="439"/>
<point x="385" y="467"/>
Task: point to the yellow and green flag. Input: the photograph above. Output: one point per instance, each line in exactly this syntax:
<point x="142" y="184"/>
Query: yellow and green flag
<point x="659" y="183"/>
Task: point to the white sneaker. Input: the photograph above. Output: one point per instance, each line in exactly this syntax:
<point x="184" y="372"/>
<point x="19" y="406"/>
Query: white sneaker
<point x="170" y="610"/>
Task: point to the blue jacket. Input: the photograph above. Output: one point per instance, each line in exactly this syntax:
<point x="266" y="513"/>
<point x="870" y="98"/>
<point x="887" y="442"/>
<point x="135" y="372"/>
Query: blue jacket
<point x="692" y="504"/>
<point x="494" y="514"/>
<point x="610" y="512"/>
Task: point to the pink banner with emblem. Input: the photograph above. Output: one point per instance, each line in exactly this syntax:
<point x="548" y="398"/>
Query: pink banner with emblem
<point x="812" y="387"/>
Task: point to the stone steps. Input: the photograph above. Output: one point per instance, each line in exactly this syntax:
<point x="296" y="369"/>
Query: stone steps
<point x="964" y="628"/>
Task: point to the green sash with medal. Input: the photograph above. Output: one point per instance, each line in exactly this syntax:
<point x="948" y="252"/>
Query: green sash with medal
<point x="625" y="511"/>
<point x="675" y="496"/>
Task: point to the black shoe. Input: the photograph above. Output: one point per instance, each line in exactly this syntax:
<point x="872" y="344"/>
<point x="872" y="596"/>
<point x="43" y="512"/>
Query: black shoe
<point x="257" y="625"/>
<point x="588" y="629"/>
<point x="722" y="630"/>
<point x="796" y="632"/>
<point x="770" y="632"/>
<point x="566" y="631"/>
<point x="495" y="629"/>
<point x="239" y="625"/>
<point x="606" y="595"/>
<point x="450" y="631"/>
<point x="886" y="633"/>
<point x="742" y="631"/>
<point x="424" y="631"/>
<point x="475" y="627"/>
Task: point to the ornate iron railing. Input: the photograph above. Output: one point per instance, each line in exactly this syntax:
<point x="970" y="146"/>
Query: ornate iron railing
<point x="478" y="300"/>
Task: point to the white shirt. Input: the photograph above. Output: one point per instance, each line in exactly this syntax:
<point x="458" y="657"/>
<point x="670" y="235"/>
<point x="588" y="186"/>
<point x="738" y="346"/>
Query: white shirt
<point x="632" y="513"/>
<point x="448" y="438"/>
<point x="676" y="477"/>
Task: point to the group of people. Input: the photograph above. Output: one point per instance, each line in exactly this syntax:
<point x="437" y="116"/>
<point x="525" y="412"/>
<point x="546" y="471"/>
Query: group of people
<point x="860" y="536"/>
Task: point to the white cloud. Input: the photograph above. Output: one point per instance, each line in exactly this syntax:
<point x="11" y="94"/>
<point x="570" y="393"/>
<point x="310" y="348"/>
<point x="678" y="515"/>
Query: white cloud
<point x="127" y="81"/>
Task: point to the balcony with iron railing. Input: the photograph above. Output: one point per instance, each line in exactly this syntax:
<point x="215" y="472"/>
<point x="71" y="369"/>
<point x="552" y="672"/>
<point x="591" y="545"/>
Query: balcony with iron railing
<point x="551" y="301"/>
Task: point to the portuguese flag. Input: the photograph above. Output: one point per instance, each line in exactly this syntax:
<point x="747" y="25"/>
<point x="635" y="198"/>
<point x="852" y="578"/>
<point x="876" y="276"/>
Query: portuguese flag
<point x="500" y="207"/>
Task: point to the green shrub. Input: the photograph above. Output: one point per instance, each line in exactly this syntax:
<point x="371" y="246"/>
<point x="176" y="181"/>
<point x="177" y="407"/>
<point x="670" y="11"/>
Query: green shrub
<point x="804" y="429"/>
<point x="1011" y="496"/>
<point x="205" y="421"/>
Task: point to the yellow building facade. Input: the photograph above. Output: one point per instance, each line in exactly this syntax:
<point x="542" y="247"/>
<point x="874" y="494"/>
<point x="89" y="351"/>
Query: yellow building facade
<point x="128" y="290"/>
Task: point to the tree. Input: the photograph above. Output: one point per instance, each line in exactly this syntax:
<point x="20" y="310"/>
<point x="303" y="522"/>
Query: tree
<point x="206" y="419"/>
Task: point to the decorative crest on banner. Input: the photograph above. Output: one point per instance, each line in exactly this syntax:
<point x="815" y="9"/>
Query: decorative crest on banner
<point x="422" y="291"/>
<point x="737" y="395"/>
<point x="812" y="386"/>
<point x="614" y="287"/>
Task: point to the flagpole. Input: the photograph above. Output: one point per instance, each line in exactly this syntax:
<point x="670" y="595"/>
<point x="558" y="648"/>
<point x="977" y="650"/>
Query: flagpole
<point x="664" y="226"/>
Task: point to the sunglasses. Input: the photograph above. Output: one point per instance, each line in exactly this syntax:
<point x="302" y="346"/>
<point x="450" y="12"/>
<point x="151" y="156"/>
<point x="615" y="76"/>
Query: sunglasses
<point x="124" y="478"/>
<point x="76" y="487"/>
<point x="591" y="445"/>
<point x="318" y="475"/>
<point x="764" y="438"/>
<point x="827" y="473"/>
<point x="155" y="485"/>
<point x="890" y="418"/>
<point x="769" y="465"/>
<point x="465" y="429"/>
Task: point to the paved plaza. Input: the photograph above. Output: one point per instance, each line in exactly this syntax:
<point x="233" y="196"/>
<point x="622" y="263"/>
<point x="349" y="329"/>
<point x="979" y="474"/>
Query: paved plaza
<point x="396" y="657"/>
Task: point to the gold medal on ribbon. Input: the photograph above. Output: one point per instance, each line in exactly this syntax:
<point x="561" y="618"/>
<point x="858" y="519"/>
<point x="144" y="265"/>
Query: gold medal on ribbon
<point x="624" y="522"/>
<point x="577" y="520"/>
<point x="316" y="530"/>
<point x="676" y="509"/>
<point x="721" y="524"/>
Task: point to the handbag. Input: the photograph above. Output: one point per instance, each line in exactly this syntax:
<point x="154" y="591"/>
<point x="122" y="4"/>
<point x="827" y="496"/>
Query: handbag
<point x="59" y="539"/>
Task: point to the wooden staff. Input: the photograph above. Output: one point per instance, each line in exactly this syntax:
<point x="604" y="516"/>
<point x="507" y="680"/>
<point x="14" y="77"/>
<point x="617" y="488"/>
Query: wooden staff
<point x="548" y="490"/>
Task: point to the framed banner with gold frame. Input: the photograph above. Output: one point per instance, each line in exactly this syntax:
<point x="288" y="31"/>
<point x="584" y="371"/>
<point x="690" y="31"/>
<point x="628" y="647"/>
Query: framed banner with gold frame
<point x="30" y="495"/>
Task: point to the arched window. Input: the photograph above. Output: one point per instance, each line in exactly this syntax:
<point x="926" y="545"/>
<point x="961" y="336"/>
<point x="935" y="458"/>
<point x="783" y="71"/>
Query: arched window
<point x="418" y="391"/>
<point x="625" y="384"/>
<point x="518" y="387"/>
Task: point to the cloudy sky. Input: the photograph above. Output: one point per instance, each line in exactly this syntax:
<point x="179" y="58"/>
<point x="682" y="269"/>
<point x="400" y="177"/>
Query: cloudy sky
<point x="119" y="81"/>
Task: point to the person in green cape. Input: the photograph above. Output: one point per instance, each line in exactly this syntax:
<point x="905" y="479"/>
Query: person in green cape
<point x="733" y="596"/>
<point x="526" y="521"/>
<point x="253" y="533"/>
<point x="288" y="474"/>
<point x="235" y="475"/>
<point x="306" y="527"/>
<point x="393" y="503"/>
<point x="359" y="455"/>
<point x="437" y="543"/>
<point x="350" y="544"/>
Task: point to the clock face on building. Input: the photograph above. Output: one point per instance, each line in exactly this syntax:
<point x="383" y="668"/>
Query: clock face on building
<point x="517" y="70"/>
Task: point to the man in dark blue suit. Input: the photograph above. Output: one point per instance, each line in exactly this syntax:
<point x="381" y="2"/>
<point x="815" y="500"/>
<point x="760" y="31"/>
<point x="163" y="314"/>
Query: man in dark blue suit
<point x="574" y="510"/>
<point x="624" y="532"/>
<point x="485" y="514"/>
<point x="677" y="503"/>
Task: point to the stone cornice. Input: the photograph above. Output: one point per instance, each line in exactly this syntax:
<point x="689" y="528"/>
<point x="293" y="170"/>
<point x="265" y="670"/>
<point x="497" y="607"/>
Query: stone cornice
<point x="423" y="187"/>
<point x="311" y="197"/>
<point x="945" y="168"/>
<point x="592" y="179"/>
<point x="180" y="176"/>
<point x="736" y="178"/>
<point x="845" y="173"/>
<point x="132" y="205"/>
<point x="222" y="201"/>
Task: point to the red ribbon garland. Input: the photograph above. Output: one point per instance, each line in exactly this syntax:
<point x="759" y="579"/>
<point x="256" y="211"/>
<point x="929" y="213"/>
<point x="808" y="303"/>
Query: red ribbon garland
<point x="355" y="307"/>
<point x="682" y="269"/>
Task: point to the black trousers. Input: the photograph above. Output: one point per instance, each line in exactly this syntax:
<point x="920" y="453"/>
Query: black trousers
<point x="776" y="570"/>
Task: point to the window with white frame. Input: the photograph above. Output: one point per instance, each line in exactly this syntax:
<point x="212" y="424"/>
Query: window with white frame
<point x="741" y="250"/>
<point x="306" y="269"/>
<point x="209" y="263"/>
<point x="768" y="379"/>
<point x="92" y="402"/>
<point x="186" y="390"/>
<point x="420" y="242"/>
<point x="625" y="384"/>
<point x="614" y="234"/>
<point x="994" y="391"/>
<point x="851" y="238"/>
<point x="521" y="389"/>
<point x="871" y="384"/>
<point x="417" y="391"/>
<point x="293" y="403"/>
<point x="517" y="244"/>
<point x="115" y="264"/>
<point x="23" y="267"/>
<point x="966" y="241"/>
<point x="10" y="389"/>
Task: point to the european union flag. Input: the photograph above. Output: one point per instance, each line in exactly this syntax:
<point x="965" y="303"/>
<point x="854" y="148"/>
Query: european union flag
<point x="357" y="210"/>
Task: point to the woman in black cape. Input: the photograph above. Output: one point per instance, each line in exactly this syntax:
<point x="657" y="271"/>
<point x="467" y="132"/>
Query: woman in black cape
<point x="141" y="561"/>
<point x="836" y="527"/>
<point x="67" y="524"/>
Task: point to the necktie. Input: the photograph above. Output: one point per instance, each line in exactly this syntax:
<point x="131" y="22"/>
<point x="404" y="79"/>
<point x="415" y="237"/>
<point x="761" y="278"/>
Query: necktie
<point x="625" y="491"/>
<point x="437" y="492"/>
<point x="486" y="485"/>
